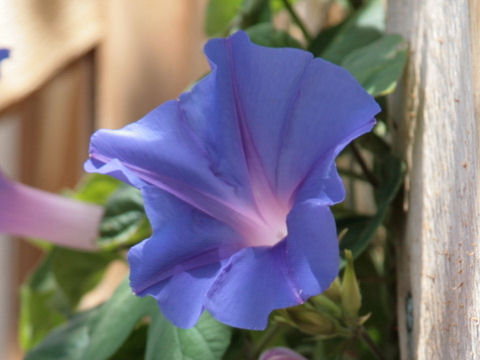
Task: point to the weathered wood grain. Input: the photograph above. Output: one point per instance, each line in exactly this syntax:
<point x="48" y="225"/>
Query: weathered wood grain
<point x="435" y="115"/>
<point x="43" y="37"/>
<point x="152" y="50"/>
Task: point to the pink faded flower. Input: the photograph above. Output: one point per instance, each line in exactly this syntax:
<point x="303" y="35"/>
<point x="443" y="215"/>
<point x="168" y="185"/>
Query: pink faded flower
<point x="281" y="353"/>
<point x="29" y="212"/>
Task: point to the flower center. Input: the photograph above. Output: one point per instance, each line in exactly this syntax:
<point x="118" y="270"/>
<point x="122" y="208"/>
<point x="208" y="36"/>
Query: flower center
<point x="271" y="227"/>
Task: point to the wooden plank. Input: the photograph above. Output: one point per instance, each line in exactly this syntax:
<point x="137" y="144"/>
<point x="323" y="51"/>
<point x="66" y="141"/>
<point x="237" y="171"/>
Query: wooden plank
<point x="55" y="122"/>
<point x="9" y="160"/>
<point x="436" y="123"/>
<point x="151" y="52"/>
<point x="44" y="36"/>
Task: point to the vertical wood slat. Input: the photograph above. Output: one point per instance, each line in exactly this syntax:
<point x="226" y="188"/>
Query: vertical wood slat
<point x="44" y="36"/>
<point x="9" y="159"/>
<point x="436" y="117"/>
<point x="158" y="58"/>
<point x="55" y="122"/>
<point x="55" y="125"/>
<point x="150" y="53"/>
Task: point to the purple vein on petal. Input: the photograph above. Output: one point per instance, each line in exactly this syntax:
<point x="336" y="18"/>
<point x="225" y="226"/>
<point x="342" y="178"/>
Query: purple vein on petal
<point x="288" y="118"/>
<point x="333" y="153"/>
<point x="263" y="194"/>
<point x="188" y="130"/>
<point x="285" y="268"/>
<point x="238" y="219"/>
<point x="193" y="262"/>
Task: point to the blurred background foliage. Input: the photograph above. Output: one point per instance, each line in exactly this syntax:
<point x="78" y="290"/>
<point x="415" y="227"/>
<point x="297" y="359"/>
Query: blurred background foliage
<point x="354" y="319"/>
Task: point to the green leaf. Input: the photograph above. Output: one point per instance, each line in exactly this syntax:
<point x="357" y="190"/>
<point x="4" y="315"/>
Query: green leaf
<point x="324" y="38"/>
<point x="278" y="5"/>
<point x="374" y="143"/>
<point x="219" y="15"/>
<point x="253" y="12"/>
<point x="66" y="342"/>
<point x="98" y="333"/>
<point x="134" y="347"/>
<point x="379" y="65"/>
<point x="208" y="340"/>
<point x="266" y="35"/>
<point x="96" y="188"/>
<point x="78" y="272"/>
<point x="361" y="229"/>
<point x="364" y="27"/>
<point x="116" y="320"/>
<point x="124" y="222"/>
<point x="224" y="16"/>
<point x="52" y="292"/>
<point x="43" y="305"/>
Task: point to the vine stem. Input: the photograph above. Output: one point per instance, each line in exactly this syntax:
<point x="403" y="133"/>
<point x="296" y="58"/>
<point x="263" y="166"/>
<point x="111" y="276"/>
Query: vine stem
<point x="372" y="179"/>
<point x="370" y="343"/>
<point x="297" y="20"/>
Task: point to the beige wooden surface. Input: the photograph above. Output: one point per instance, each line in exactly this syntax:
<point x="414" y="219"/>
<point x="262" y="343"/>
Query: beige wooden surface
<point x="147" y="52"/>
<point x="152" y="50"/>
<point x="53" y="128"/>
<point x="43" y="37"/>
<point x="436" y="116"/>
<point x="9" y="163"/>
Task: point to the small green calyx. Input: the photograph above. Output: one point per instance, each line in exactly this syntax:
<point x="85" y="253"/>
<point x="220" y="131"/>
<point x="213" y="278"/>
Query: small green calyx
<point x="309" y="321"/>
<point x="351" y="297"/>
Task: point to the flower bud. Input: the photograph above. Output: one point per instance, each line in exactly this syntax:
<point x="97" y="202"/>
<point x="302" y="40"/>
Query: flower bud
<point x="323" y="304"/>
<point x="351" y="296"/>
<point x="310" y="321"/>
<point x="334" y="292"/>
<point x="281" y="353"/>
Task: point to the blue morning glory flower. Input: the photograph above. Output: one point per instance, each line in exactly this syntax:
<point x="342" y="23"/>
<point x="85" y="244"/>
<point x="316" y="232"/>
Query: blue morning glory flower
<point x="4" y="54"/>
<point x="237" y="176"/>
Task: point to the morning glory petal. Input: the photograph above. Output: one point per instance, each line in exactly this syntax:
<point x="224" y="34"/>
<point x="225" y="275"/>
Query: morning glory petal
<point x="182" y="296"/>
<point x="257" y="281"/>
<point x="323" y="182"/>
<point x="260" y="107"/>
<point x="4" y="54"/>
<point x="158" y="149"/>
<point x="312" y="247"/>
<point x="333" y="109"/>
<point x="253" y="283"/>
<point x="291" y="123"/>
<point x="184" y="238"/>
<point x="325" y="186"/>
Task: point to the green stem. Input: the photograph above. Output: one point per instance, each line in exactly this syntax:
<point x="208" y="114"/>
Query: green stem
<point x="297" y="20"/>
<point x="370" y="343"/>
<point x="351" y="173"/>
<point x="372" y="179"/>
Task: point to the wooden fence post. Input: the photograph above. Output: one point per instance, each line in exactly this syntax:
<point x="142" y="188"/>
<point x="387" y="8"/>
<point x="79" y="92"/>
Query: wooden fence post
<point x="435" y="114"/>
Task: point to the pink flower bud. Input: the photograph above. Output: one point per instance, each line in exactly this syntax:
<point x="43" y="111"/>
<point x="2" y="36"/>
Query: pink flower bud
<point x="281" y="353"/>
